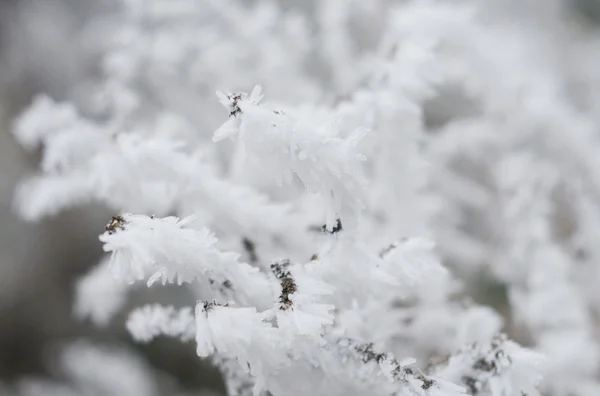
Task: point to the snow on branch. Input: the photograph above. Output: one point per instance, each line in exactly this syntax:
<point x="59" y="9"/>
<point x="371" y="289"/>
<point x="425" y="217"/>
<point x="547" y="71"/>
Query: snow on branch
<point x="501" y="367"/>
<point x="283" y="147"/>
<point x="375" y="364"/>
<point x="162" y="249"/>
<point x="131" y="168"/>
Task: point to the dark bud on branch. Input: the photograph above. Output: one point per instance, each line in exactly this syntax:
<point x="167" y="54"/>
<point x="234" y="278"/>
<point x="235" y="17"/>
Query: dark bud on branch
<point x="116" y="223"/>
<point x="235" y="109"/>
<point x="208" y="305"/>
<point x="288" y="285"/>
<point x="337" y="228"/>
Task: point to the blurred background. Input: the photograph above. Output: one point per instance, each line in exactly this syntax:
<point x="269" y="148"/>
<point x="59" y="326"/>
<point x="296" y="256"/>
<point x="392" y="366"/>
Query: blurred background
<point x="42" y="50"/>
<point x="45" y="47"/>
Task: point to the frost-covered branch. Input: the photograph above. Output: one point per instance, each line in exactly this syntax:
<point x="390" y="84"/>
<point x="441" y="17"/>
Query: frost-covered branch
<point x="501" y="367"/>
<point x="326" y="163"/>
<point x="162" y="249"/>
